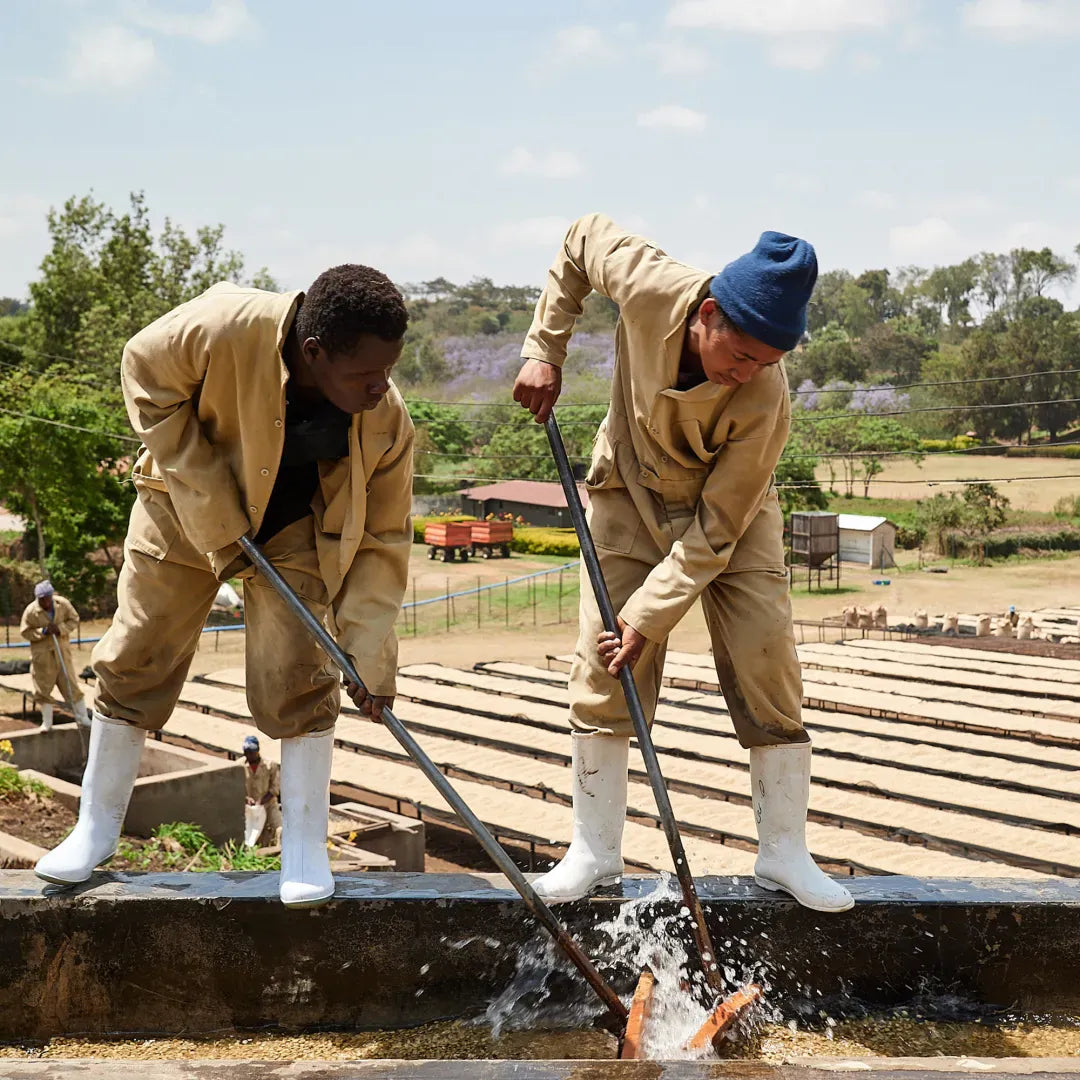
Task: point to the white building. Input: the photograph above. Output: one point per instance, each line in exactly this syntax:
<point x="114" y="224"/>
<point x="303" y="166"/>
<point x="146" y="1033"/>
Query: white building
<point x="867" y="540"/>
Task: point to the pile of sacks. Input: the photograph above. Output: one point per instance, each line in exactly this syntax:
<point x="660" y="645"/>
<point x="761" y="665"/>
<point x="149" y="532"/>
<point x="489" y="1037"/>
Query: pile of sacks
<point x="863" y="618"/>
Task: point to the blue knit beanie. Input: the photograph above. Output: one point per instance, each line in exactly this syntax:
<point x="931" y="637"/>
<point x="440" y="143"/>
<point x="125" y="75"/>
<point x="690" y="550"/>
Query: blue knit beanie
<point x="765" y="291"/>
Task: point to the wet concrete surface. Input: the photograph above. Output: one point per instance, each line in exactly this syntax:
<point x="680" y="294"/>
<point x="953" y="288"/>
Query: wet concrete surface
<point x="191" y="953"/>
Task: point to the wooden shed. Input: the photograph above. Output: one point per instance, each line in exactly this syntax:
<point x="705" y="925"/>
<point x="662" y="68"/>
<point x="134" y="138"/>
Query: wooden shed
<point x="868" y="540"/>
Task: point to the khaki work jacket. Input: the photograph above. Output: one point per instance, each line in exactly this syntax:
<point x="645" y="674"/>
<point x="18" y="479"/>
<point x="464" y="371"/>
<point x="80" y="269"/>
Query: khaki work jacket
<point x="709" y="451"/>
<point x="35" y="619"/>
<point x="264" y="780"/>
<point x="204" y="387"/>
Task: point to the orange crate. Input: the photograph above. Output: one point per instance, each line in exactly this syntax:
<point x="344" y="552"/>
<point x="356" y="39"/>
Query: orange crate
<point x="492" y="532"/>
<point x="447" y="534"/>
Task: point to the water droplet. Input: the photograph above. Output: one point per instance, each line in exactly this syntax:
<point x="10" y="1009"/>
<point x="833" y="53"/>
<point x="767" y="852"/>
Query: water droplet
<point x="425" y="969"/>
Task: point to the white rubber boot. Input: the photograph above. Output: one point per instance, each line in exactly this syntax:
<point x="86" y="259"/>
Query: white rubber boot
<point x="46" y="718"/>
<point x="595" y="854"/>
<point x="81" y="716"/>
<point x="111" y="768"/>
<point x="306" y="880"/>
<point x="780" y="787"/>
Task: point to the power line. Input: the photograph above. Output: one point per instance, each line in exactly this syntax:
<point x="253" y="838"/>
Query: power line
<point x="72" y="427"/>
<point x="794" y="393"/>
<point x="786" y="485"/>
<point x="932" y="409"/>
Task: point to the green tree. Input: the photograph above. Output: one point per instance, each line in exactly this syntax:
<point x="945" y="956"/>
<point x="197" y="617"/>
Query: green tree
<point x="796" y="478"/>
<point x="61" y="470"/>
<point x="859" y="442"/>
<point x="105" y="277"/>
<point x="895" y="349"/>
<point x="937" y="516"/>
<point x="984" y="509"/>
<point x="830" y="356"/>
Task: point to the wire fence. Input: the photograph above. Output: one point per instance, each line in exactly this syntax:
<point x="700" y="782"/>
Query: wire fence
<point x="544" y="598"/>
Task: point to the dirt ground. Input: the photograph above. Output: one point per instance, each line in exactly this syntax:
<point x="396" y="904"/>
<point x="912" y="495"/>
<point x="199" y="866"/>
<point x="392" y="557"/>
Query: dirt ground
<point x="873" y="1037"/>
<point x="1025" y="495"/>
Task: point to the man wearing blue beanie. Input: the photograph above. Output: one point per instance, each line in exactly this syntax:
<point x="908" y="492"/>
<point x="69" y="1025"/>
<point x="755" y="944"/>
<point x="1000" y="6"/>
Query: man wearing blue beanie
<point x="682" y="507"/>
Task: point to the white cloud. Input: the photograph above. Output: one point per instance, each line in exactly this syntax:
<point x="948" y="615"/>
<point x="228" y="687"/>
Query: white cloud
<point x="800" y="34"/>
<point x="553" y="165"/>
<point x="110" y="58"/>
<point x="864" y="62"/>
<point x="582" y="43"/>
<point x="785" y="18"/>
<point x="222" y="21"/>
<point x="679" y="58"/>
<point x="1020" y="20"/>
<point x="875" y="200"/>
<point x="932" y="240"/>
<point x="673" y="117"/>
<point x="807" y="53"/>
<point x="531" y="232"/>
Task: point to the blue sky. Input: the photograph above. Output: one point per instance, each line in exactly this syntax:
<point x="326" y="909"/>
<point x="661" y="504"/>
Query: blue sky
<point x="460" y="139"/>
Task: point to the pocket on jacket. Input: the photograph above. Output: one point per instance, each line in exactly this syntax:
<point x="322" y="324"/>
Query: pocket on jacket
<point x="613" y="520"/>
<point x="153" y="528"/>
<point x="761" y="547"/>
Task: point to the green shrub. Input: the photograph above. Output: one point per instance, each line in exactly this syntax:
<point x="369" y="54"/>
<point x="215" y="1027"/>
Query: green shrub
<point x="1068" y="506"/>
<point x="13" y="785"/>
<point x="535" y="540"/>
<point x="910" y="538"/>
<point x="1070" y="451"/>
<point x="1002" y="545"/>
<point x="940" y="446"/>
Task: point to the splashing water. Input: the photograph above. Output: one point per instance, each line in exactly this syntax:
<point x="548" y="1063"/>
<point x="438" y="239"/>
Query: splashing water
<point x="655" y="931"/>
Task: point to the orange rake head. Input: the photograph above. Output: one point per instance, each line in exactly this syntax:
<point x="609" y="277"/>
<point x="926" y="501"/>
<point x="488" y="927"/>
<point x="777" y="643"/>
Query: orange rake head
<point x="632" y="1048"/>
<point x="723" y="1016"/>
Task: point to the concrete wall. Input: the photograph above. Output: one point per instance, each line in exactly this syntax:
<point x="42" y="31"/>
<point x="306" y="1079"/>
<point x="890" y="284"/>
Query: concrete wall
<point x="198" y="952"/>
<point x="174" y="784"/>
<point x="403" y="841"/>
<point x="210" y="795"/>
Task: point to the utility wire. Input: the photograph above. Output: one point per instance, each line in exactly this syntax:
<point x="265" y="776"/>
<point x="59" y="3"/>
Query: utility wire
<point x="786" y="485"/>
<point x="72" y="427"/>
<point x="795" y="393"/>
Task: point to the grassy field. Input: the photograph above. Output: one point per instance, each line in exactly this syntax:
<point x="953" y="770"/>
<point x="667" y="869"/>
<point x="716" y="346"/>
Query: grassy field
<point x="904" y="479"/>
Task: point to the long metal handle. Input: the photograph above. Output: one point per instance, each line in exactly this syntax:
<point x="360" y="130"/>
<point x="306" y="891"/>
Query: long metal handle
<point x="488" y="842"/>
<point x="637" y="714"/>
<point x="69" y="698"/>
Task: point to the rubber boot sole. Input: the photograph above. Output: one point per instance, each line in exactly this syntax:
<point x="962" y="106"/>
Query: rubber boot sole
<point x="600" y="883"/>
<point x="775" y="886"/>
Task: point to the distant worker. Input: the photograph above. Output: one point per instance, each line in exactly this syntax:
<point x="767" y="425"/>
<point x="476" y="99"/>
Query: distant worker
<point x="683" y="506"/>
<point x="270" y="416"/>
<point x="262" y="787"/>
<point x="48" y="623"/>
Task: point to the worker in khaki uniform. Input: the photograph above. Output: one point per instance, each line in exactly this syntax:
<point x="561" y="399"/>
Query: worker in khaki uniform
<point x="272" y="416"/>
<point x="262" y="787"/>
<point x="48" y="623"/>
<point x="682" y="507"/>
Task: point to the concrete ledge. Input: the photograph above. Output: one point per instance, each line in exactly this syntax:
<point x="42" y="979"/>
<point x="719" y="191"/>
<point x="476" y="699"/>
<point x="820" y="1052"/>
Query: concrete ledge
<point x="799" y="1069"/>
<point x="18" y="853"/>
<point x="190" y="953"/>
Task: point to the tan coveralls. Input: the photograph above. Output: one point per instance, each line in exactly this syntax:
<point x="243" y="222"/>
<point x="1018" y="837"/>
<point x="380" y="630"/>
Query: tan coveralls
<point x="682" y="502"/>
<point x="263" y="780"/>
<point x="44" y="666"/>
<point x="205" y="390"/>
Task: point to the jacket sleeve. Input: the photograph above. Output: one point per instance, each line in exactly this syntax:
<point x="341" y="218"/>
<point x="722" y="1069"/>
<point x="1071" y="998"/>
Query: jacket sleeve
<point x="161" y="372"/>
<point x="67" y="617"/>
<point x="369" y="601"/>
<point x="30" y="632"/>
<point x="596" y="255"/>
<point x="734" y="492"/>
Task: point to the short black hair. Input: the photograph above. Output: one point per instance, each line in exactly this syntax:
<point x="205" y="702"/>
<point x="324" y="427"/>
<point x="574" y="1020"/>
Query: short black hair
<point x="347" y="301"/>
